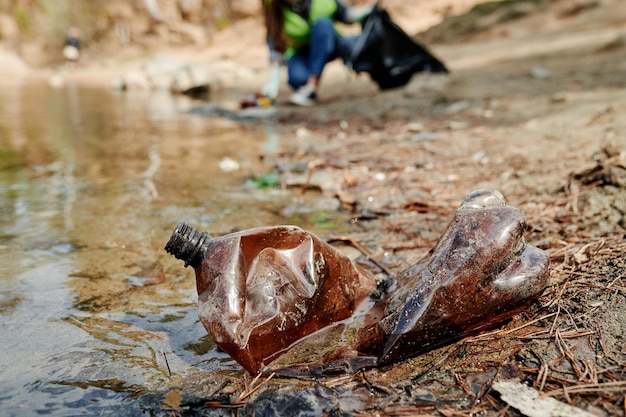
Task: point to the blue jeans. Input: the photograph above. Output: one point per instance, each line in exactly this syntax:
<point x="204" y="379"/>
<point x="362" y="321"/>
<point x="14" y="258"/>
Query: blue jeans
<point x="324" y="46"/>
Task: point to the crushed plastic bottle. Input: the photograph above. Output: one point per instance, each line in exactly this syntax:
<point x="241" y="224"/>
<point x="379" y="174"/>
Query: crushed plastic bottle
<point x="281" y="294"/>
<point x="480" y="274"/>
<point x="262" y="290"/>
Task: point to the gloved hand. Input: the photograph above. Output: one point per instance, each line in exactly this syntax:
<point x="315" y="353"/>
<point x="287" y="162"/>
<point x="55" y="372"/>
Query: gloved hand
<point x="357" y="14"/>
<point x="272" y="86"/>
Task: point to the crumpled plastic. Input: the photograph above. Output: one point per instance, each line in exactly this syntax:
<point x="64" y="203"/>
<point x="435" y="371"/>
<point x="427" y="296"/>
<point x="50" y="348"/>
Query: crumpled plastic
<point x="282" y="296"/>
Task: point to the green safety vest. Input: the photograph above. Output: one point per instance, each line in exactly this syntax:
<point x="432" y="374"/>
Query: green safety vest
<point x="298" y="30"/>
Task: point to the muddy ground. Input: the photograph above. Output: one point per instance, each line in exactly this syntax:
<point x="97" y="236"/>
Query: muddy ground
<point x="534" y="107"/>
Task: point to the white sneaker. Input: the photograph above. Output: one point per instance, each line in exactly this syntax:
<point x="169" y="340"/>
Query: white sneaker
<point x="304" y="96"/>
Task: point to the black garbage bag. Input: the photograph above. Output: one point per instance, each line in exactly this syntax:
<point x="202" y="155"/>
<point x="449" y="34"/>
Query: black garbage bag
<point x="388" y="54"/>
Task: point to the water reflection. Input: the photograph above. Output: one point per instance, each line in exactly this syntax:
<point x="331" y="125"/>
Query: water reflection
<point x="92" y="311"/>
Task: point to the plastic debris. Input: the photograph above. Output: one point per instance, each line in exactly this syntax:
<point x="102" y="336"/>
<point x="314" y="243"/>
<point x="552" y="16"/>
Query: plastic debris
<point x="282" y="294"/>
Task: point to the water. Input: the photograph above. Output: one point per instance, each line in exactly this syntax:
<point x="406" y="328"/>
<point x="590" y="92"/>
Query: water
<point x="93" y="312"/>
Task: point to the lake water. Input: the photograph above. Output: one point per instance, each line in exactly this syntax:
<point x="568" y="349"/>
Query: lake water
<point x="93" y="312"/>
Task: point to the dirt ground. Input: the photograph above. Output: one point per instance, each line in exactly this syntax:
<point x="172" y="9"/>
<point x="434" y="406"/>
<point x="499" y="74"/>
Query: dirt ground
<point x="535" y="106"/>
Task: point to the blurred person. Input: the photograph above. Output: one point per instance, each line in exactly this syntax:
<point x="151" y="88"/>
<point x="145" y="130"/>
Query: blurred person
<point x="301" y="33"/>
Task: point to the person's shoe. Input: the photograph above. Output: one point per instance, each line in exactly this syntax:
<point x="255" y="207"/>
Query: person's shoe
<point x="304" y="96"/>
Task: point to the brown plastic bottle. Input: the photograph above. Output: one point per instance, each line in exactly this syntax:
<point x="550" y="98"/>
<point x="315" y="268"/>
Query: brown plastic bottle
<point x="262" y="290"/>
<point x="280" y="293"/>
<point x="480" y="274"/>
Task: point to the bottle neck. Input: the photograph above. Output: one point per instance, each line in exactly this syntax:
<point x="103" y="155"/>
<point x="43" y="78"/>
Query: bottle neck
<point x="187" y="244"/>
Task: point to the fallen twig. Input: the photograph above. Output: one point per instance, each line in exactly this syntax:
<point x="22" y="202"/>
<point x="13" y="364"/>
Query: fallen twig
<point x="613" y="386"/>
<point x="361" y="249"/>
<point x="501" y="332"/>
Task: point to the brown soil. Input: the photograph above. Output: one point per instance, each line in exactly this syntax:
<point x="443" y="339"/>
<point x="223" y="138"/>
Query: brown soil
<point x="534" y="107"/>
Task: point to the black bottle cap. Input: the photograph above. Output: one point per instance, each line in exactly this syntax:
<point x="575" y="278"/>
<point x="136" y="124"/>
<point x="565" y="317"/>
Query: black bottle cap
<point x="187" y="244"/>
